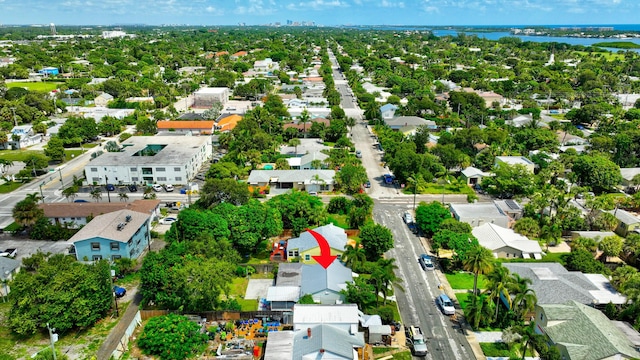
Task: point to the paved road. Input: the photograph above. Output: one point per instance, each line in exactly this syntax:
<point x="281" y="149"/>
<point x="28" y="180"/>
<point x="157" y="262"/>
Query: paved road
<point x="416" y="302"/>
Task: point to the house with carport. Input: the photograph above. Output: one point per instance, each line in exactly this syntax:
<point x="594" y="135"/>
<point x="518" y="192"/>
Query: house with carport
<point x="304" y="180"/>
<point x="505" y="243"/>
<point x="112" y="236"/>
<point x="319" y="332"/>
<point x="473" y="175"/>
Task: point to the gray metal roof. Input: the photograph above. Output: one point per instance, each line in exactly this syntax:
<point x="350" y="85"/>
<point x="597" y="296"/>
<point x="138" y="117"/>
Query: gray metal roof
<point x="408" y="120"/>
<point x="328" y="338"/>
<point x="304" y="314"/>
<point x="178" y="151"/>
<point x="479" y="210"/>
<point x="335" y="236"/>
<point x="279" y="346"/>
<point x="315" y="278"/>
<point x="7" y="265"/>
<point x="289" y="274"/>
<point x="106" y="226"/>
<point x="586" y="333"/>
<point x="495" y="237"/>
<point x="553" y="284"/>
<point x="625" y="217"/>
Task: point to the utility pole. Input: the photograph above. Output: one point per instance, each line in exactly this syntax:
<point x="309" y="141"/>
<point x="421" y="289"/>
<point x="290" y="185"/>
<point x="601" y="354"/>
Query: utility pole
<point x="53" y="337"/>
<point x="106" y="185"/>
<point x="41" y="194"/>
<point x="15" y="121"/>
<point x="61" y="182"/>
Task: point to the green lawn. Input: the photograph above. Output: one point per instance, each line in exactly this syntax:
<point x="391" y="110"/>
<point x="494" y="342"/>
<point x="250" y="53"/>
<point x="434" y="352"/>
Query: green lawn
<point x="9" y="187"/>
<point x="18" y="155"/>
<point x="35" y="86"/>
<point x="607" y="55"/>
<point x="464" y="280"/>
<point x="71" y="153"/>
<point x="431" y="188"/>
<point x="549" y="257"/>
<point x="339" y="220"/>
<point x="463" y="299"/>
<point x="502" y="350"/>
<point x="405" y="355"/>
<point x="248" y="305"/>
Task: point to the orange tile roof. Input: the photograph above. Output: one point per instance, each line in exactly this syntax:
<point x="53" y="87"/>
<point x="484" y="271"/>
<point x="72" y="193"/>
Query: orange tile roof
<point x="53" y="210"/>
<point x="186" y="124"/>
<point x="228" y="123"/>
<point x="220" y="53"/>
<point x="240" y="53"/>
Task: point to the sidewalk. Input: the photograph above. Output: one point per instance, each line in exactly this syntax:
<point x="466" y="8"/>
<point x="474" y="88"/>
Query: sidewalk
<point x="446" y="288"/>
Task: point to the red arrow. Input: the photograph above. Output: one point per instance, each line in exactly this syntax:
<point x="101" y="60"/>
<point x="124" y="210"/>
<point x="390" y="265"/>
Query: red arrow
<point x="325" y="258"/>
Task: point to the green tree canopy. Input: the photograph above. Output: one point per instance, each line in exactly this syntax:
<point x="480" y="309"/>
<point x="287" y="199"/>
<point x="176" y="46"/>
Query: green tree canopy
<point x="430" y="216"/>
<point x="171" y="337"/>
<point x="376" y="240"/>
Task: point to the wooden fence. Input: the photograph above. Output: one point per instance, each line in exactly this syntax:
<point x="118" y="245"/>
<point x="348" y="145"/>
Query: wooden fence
<point x="222" y="315"/>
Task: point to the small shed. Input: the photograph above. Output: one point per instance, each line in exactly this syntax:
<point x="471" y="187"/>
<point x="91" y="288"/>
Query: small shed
<point x="380" y="334"/>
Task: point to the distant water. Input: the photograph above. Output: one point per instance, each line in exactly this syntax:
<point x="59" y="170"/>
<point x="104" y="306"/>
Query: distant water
<point x="496" y="35"/>
<point x="559" y="39"/>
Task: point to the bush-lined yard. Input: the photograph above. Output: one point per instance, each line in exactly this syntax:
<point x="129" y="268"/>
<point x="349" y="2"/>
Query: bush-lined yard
<point x="464" y="280"/>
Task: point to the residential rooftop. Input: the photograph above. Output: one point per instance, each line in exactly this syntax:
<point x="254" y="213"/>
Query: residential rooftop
<point x="107" y="226"/>
<point x="177" y="150"/>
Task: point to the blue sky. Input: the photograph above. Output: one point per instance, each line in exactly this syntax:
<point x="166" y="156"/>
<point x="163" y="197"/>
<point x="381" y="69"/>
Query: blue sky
<point x="326" y="12"/>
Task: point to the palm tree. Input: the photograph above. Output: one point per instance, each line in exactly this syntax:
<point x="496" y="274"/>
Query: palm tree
<point x="123" y="196"/>
<point x="478" y="310"/>
<point x="295" y="142"/>
<point x="96" y="194"/>
<point x="70" y="192"/>
<point x="33" y="197"/>
<point x="384" y="277"/>
<point x="354" y="256"/>
<point x="27" y="212"/>
<point x="525" y="298"/>
<point x="498" y="285"/>
<point x="479" y="260"/>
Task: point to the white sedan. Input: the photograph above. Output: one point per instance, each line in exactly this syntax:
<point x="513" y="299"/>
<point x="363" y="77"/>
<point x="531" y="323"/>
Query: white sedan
<point x="157" y="187"/>
<point x="168" y="220"/>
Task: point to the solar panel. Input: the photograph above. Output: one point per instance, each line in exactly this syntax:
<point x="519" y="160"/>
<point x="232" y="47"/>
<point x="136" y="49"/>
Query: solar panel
<point x="512" y="205"/>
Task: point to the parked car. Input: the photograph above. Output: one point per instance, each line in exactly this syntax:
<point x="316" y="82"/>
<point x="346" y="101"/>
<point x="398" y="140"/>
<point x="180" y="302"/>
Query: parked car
<point x="119" y="291"/>
<point x="367" y="184"/>
<point x="110" y="187"/>
<point x="11" y="252"/>
<point x="425" y="262"/>
<point x="406" y="216"/>
<point x="156" y="187"/>
<point x="358" y="153"/>
<point x="132" y="188"/>
<point x="168" y="187"/>
<point x="168" y="220"/>
<point x="80" y="201"/>
<point x="200" y="177"/>
<point x="445" y="304"/>
<point x="413" y="227"/>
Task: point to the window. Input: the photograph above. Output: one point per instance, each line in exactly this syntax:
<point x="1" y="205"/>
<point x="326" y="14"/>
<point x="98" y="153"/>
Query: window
<point x="95" y="246"/>
<point x="94" y="169"/>
<point x="307" y="257"/>
<point x="160" y="169"/>
<point x="97" y="257"/>
<point x="176" y="169"/>
<point x="115" y="257"/>
<point x="134" y="179"/>
<point x="133" y="169"/>
<point x="132" y="252"/>
<point x="95" y="179"/>
<point x="115" y="246"/>
<point x="147" y="171"/>
<point x="160" y="178"/>
<point x="178" y="178"/>
<point x="293" y="253"/>
<point x="130" y="242"/>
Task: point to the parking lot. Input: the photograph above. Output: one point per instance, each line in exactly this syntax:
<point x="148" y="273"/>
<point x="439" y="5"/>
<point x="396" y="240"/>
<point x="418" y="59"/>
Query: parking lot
<point x="27" y="247"/>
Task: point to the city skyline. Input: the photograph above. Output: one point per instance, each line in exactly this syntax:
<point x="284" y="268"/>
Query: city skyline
<point x="321" y="12"/>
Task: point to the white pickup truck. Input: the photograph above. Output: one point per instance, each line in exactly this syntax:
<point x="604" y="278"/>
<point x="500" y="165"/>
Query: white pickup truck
<point x="416" y="340"/>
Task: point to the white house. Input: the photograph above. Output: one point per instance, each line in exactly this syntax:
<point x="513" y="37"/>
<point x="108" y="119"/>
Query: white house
<point x="205" y="97"/>
<point x="506" y="243"/>
<point x="388" y="111"/>
<point x="305" y="162"/>
<point x="516" y="160"/>
<point x="151" y="160"/>
<point x="479" y="214"/>
<point x="307" y="180"/>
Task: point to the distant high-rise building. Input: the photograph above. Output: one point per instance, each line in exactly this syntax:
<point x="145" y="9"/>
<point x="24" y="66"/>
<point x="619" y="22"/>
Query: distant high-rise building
<point x="289" y="22"/>
<point x="52" y="26"/>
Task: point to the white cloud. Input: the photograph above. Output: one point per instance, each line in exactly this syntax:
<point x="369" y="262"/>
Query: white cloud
<point x="317" y="5"/>
<point x="391" y="4"/>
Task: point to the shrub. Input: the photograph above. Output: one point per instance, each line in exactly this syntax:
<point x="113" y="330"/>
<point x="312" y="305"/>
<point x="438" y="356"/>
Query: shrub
<point x="339" y="205"/>
<point x="172" y="337"/>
